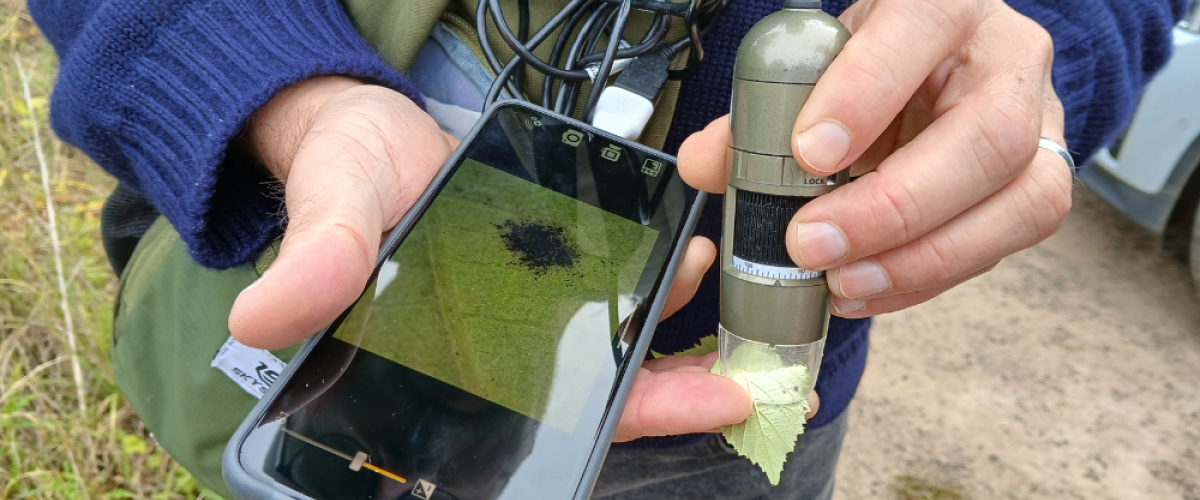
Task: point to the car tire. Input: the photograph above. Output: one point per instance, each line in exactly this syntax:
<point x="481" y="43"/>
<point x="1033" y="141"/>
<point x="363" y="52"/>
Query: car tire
<point x="1194" y="251"/>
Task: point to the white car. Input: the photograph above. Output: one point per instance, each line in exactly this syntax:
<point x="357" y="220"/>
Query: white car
<point x="1150" y="172"/>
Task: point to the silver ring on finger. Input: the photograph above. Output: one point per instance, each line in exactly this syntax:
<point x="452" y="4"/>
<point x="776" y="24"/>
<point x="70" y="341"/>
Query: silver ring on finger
<point x="1049" y="145"/>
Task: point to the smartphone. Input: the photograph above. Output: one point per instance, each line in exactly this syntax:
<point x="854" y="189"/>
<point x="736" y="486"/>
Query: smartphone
<point x="491" y="354"/>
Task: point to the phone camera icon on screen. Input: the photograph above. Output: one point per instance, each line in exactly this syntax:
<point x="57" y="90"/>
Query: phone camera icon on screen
<point x="611" y="153"/>
<point x="652" y="167"/>
<point x="572" y="137"/>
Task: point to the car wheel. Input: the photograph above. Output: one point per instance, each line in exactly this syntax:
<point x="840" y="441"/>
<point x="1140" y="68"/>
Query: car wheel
<point x="1195" y="250"/>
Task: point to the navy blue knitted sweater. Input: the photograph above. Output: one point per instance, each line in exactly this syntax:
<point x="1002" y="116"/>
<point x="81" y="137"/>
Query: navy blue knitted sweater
<point x="155" y="90"/>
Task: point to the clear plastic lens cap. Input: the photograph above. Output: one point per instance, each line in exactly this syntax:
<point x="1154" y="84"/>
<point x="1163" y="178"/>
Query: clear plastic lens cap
<point x="780" y="374"/>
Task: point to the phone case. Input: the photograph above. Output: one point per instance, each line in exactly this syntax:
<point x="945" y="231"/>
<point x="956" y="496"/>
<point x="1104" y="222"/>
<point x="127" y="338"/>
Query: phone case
<point x="247" y="487"/>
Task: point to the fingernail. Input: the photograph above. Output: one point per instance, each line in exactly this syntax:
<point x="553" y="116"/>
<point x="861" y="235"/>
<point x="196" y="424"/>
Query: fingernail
<point x="847" y="306"/>
<point x="819" y="244"/>
<point x="823" y="146"/>
<point x="862" y="278"/>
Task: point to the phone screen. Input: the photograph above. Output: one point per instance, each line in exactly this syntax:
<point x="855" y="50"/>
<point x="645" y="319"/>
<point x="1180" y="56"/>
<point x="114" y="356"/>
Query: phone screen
<point x="480" y="361"/>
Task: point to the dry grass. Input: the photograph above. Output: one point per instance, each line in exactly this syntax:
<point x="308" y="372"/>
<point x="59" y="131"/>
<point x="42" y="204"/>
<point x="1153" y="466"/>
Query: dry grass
<point x="63" y="434"/>
<point x="916" y="488"/>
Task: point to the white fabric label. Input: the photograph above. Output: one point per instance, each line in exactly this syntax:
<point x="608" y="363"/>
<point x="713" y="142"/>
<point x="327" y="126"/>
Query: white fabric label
<point x="252" y="369"/>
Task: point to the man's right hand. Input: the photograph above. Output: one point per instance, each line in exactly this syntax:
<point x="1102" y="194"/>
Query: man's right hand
<point x="353" y="158"/>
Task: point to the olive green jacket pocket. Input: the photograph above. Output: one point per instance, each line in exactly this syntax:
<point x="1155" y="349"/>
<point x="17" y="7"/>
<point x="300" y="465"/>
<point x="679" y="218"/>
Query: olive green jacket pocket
<point x="171" y="319"/>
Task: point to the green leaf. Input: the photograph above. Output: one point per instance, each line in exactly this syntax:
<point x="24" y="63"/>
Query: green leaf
<point x="707" y="345"/>
<point x="185" y="483"/>
<point x="18" y="403"/>
<point x="21" y="109"/>
<point x="27" y="494"/>
<point x="769" y="435"/>
<point x="131" y="444"/>
<point x="119" y="493"/>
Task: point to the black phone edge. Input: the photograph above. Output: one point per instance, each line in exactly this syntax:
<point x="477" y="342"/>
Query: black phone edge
<point x="246" y="487"/>
<point x="609" y="426"/>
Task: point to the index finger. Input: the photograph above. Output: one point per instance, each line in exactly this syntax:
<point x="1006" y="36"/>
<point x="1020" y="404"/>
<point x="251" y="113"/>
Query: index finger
<point x="892" y="53"/>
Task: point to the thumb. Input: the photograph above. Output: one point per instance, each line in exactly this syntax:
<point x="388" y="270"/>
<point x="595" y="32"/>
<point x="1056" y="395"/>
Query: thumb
<point x="702" y="157"/>
<point x="677" y="395"/>
<point x="323" y="264"/>
<point x="347" y="184"/>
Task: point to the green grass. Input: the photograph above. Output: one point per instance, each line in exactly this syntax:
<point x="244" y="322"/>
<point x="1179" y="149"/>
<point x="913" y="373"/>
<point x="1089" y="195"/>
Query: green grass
<point x="53" y="444"/>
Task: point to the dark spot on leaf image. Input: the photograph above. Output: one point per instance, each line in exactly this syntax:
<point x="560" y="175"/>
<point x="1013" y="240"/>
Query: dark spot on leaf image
<point x="537" y="246"/>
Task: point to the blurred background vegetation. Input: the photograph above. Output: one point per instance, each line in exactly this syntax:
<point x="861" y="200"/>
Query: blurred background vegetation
<point x="65" y="431"/>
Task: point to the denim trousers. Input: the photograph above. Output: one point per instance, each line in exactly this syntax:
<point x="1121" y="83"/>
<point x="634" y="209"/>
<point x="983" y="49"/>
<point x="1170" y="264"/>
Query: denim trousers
<point x="710" y="469"/>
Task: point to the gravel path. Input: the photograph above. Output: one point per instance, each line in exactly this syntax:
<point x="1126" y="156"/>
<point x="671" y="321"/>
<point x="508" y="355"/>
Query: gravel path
<point x="1070" y="371"/>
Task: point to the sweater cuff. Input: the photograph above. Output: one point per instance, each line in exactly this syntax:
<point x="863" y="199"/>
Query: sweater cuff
<point x="169" y="91"/>
<point x="1104" y="54"/>
<point x="1074" y="77"/>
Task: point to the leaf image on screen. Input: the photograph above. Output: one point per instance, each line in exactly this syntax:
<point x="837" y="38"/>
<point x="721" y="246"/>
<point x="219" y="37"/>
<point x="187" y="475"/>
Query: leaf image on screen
<point x="507" y="290"/>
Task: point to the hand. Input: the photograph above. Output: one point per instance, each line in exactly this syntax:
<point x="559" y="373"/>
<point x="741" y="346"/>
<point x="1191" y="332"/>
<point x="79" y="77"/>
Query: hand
<point x="940" y="103"/>
<point x="352" y="158"/>
<point x="677" y="395"/>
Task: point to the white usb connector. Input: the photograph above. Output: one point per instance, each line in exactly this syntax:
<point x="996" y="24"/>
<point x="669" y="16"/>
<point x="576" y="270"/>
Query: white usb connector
<point x="622" y="112"/>
<point x="625" y="107"/>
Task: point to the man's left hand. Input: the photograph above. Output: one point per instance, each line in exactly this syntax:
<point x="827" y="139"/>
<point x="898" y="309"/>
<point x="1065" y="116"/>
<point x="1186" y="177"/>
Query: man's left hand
<point x="940" y="103"/>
